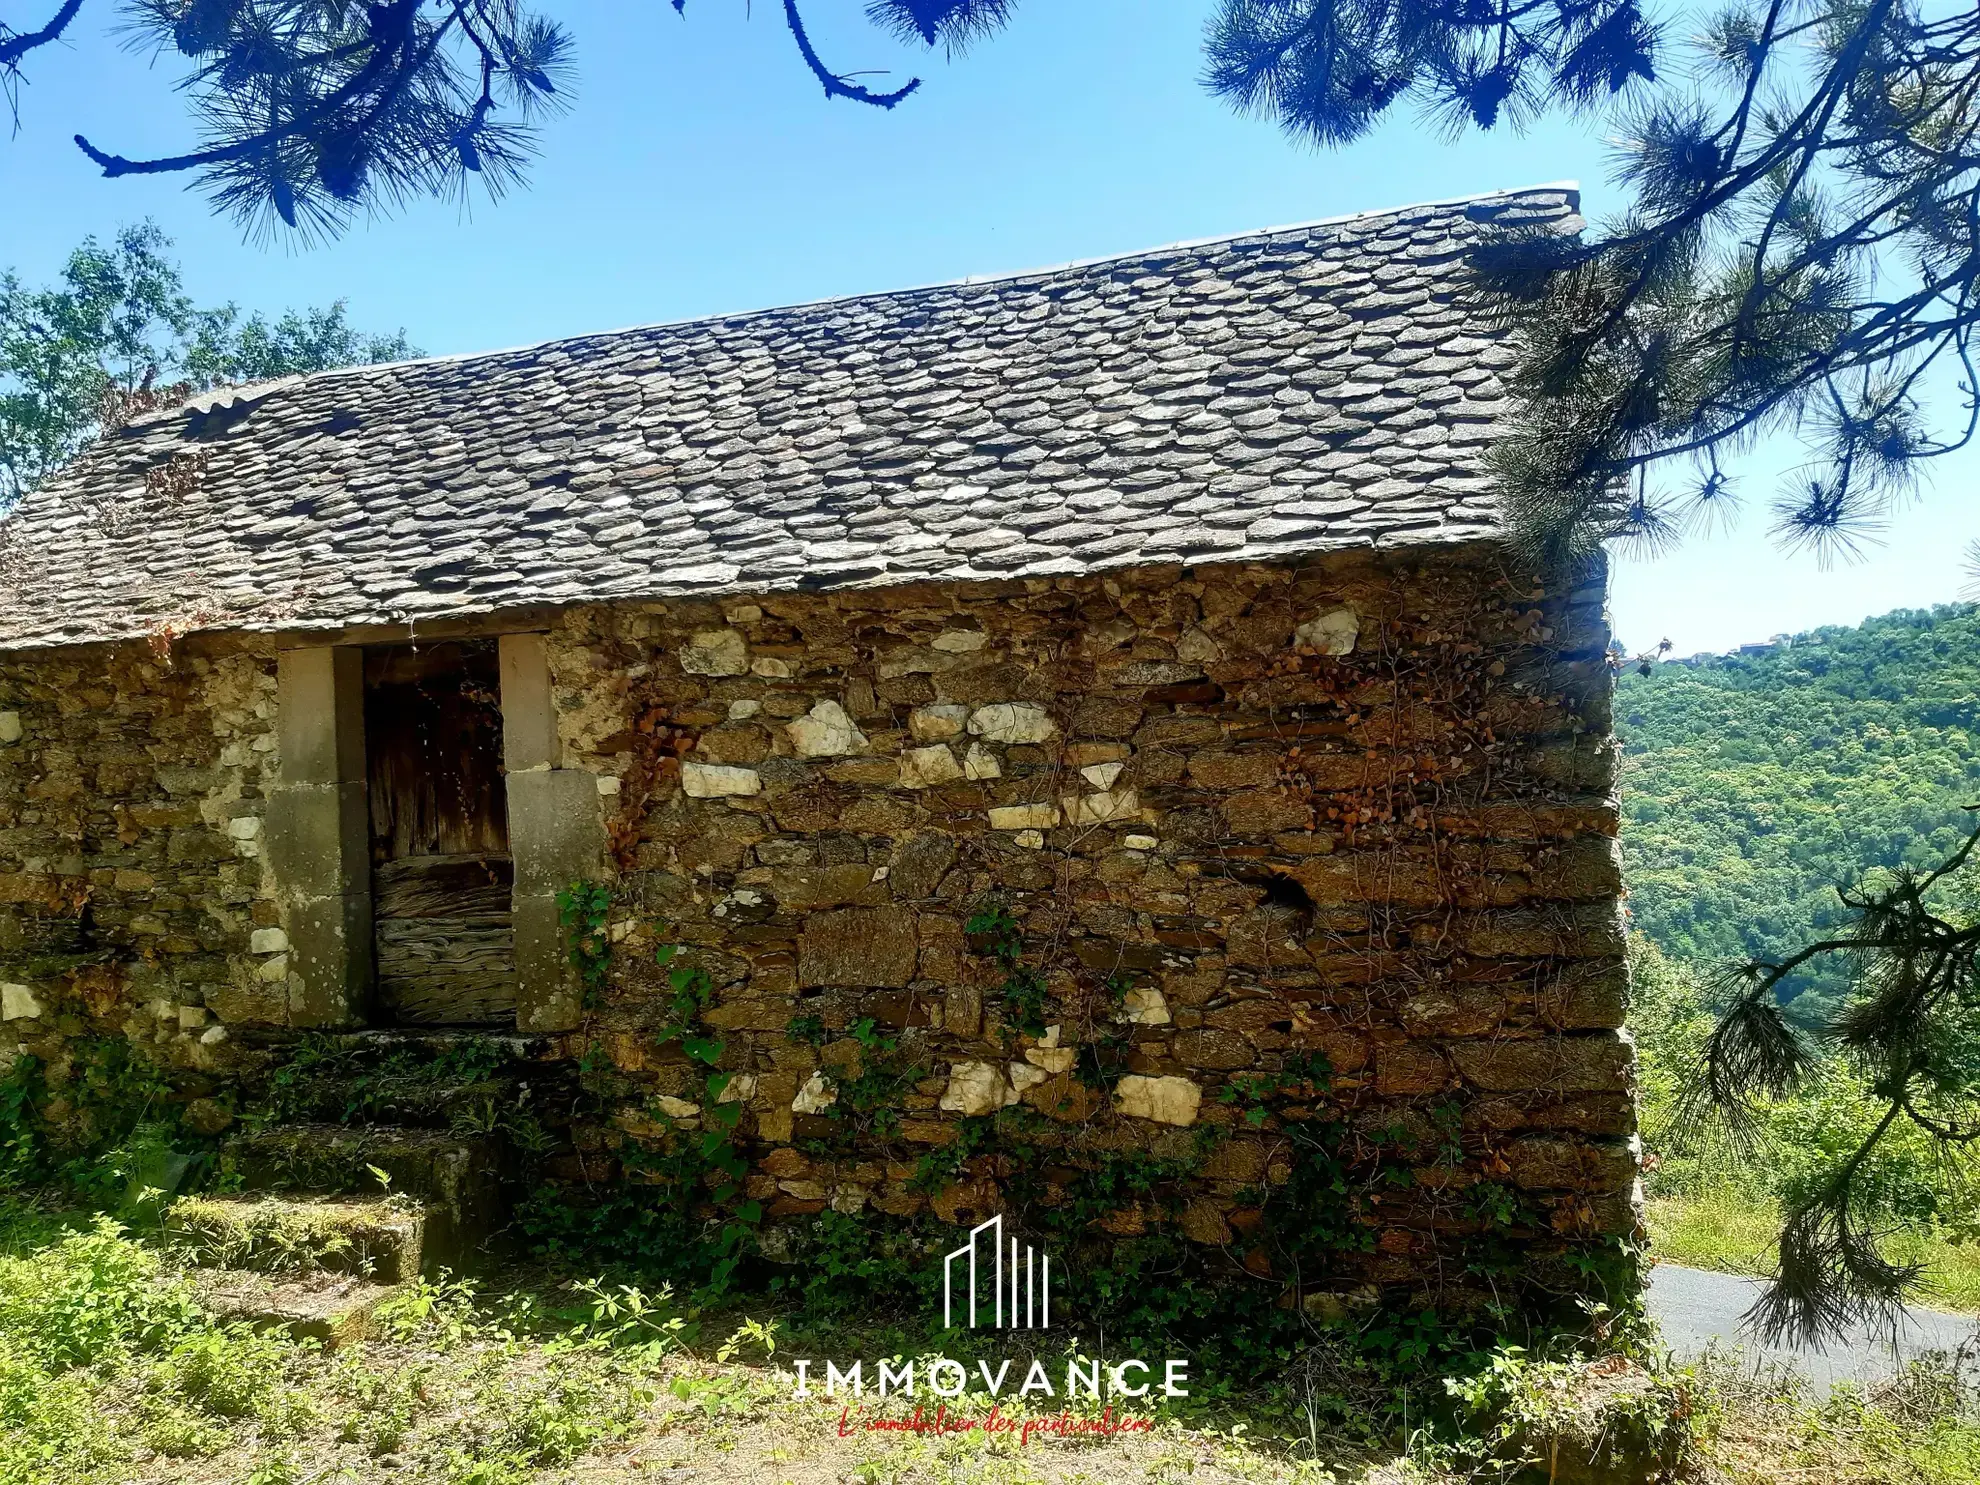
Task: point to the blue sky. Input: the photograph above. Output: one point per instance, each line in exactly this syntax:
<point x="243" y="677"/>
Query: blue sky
<point x="702" y="171"/>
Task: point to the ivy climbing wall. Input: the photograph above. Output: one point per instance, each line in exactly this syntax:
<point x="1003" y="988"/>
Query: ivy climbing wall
<point x="1274" y="907"/>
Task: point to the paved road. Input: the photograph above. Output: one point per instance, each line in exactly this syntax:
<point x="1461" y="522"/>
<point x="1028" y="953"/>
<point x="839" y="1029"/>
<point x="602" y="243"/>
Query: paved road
<point x="1695" y="1308"/>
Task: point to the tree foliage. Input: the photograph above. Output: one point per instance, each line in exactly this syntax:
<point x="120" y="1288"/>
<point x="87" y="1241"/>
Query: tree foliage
<point x="118" y="333"/>
<point x="1798" y="254"/>
<point x="1910" y="1031"/>
<point x="1802" y="819"/>
<point x="1752" y="784"/>
<point x="314" y="112"/>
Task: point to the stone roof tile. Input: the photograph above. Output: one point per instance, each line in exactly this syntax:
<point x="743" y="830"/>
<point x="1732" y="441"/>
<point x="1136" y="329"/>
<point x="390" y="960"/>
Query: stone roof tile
<point x="1257" y="397"/>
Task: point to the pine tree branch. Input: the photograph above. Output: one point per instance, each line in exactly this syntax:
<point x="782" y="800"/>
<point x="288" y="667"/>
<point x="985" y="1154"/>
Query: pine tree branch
<point x="381" y="65"/>
<point x="835" y="84"/>
<point x="17" y="44"/>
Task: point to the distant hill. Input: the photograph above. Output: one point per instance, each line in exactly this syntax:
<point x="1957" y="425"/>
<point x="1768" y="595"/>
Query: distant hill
<point x="1753" y="783"/>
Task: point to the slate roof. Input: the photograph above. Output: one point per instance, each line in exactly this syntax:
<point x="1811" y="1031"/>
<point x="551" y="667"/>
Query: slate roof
<point x="1255" y="397"/>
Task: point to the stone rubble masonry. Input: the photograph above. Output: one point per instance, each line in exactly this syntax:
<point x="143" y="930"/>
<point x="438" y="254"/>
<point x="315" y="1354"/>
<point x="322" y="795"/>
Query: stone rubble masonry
<point x="1229" y="838"/>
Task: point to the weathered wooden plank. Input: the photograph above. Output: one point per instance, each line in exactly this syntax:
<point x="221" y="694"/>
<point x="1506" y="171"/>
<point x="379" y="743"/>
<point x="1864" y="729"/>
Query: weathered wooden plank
<point x="448" y="971"/>
<point x="460" y="886"/>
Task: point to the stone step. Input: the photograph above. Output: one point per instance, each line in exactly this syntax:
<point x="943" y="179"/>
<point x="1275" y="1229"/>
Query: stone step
<point x="409" y="1101"/>
<point x="376" y="1238"/>
<point x="405" y="1076"/>
<point x="334" y="1309"/>
<point x="457" y="1177"/>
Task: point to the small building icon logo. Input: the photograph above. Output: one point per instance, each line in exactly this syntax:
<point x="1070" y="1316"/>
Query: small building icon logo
<point x="1020" y="1281"/>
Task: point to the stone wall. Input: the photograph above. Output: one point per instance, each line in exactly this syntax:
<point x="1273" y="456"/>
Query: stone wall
<point x="134" y="899"/>
<point x="1093" y="859"/>
<point x="1238" y="816"/>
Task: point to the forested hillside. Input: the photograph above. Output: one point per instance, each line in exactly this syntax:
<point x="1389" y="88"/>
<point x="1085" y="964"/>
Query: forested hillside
<point x="1753" y="783"/>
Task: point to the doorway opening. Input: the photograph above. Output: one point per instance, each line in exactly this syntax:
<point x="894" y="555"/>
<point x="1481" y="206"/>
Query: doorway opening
<point x="442" y="880"/>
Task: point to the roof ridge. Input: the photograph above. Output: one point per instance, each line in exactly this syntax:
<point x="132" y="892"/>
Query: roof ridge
<point x="1570" y="188"/>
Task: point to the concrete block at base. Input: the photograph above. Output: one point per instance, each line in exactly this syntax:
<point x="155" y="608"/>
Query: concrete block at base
<point x="332" y="1309"/>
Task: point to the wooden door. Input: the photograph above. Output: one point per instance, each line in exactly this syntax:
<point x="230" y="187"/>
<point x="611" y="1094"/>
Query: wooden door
<point x="441" y="876"/>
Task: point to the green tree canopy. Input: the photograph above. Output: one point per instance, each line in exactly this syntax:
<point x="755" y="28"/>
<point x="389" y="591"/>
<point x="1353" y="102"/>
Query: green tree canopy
<point x="117" y="332"/>
<point x="1753" y="785"/>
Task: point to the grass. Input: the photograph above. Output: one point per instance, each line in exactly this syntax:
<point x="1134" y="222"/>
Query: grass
<point x="1731" y="1231"/>
<point x="110" y="1371"/>
<point x="1921" y="1428"/>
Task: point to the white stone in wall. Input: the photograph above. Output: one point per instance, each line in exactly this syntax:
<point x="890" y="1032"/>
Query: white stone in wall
<point x="1024" y="1075"/>
<point x="826" y="732"/>
<point x="1024" y="817"/>
<point x="742" y="711"/>
<point x="1053" y="1060"/>
<point x="244" y="827"/>
<point x="1333" y="633"/>
<point x="1164" y="1100"/>
<point x="771" y="668"/>
<point x="938" y="723"/>
<point x="739" y="1089"/>
<point x="1146" y="1007"/>
<point x="275" y="970"/>
<point x="960" y="641"/>
<point x="676" y="1108"/>
<point x="981" y="763"/>
<point x="977" y="1088"/>
<point x="1013" y="722"/>
<point x="10" y="727"/>
<point x="716" y="652"/>
<point x="1102" y="775"/>
<point x="717" y="781"/>
<point x="18" y="1003"/>
<point x="815" y="1096"/>
<point x="267" y="941"/>
<point x="923" y="768"/>
<point x="1098" y="809"/>
<point x="1196" y="647"/>
<point x="1141" y="842"/>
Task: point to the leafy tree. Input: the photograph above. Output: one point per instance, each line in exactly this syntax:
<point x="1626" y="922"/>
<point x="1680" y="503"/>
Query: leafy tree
<point x="1753" y="783"/>
<point x="315" y="111"/>
<point x="118" y="333"/>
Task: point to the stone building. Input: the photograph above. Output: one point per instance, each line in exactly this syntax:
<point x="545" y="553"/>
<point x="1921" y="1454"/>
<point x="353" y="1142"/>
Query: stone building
<point x="1098" y="693"/>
